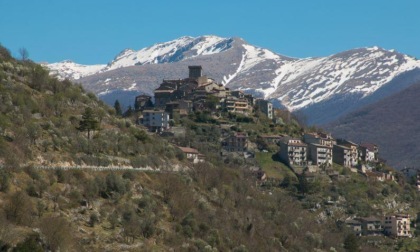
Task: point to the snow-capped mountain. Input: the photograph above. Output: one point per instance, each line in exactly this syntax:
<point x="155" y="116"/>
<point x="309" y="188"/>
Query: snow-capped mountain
<point x="172" y="51"/>
<point x="323" y="88"/>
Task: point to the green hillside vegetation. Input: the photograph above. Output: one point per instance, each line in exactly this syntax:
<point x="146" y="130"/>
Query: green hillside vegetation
<point x="217" y="205"/>
<point x="270" y="164"/>
<point x="45" y="121"/>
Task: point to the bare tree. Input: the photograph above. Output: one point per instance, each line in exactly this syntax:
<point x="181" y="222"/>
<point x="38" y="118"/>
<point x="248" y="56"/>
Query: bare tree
<point x="58" y="233"/>
<point x="24" y="54"/>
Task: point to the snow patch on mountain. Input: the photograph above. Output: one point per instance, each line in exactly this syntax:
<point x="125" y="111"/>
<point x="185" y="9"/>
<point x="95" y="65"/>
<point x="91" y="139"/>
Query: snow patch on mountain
<point x="305" y="82"/>
<point x="69" y="69"/>
<point x="230" y="77"/>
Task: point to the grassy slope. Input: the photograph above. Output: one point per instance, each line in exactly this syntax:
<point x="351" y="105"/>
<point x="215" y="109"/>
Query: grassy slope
<point x="272" y="167"/>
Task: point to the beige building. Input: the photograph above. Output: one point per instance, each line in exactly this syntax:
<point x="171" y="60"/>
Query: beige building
<point x="319" y="138"/>
<point x="237" y="105"/>
<point x="397" y="225"/>
<point x="293" y="151"/>
<point x="320" y="147"/>
<point x="320" y="154"/>
<point x="192" y="154"/>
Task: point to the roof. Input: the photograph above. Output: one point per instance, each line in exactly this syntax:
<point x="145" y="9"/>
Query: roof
<point x="353" y="222"/>
<point x="320" y="146"/>
<point x="369" y="146"/>
<point x="143" y="96"/>
<point x="346" y="142"/>
<point x="342" y="147"/>
<point x="240" y="135"/>
<point x="153" y="111"/>
<point x="286" y="140"/>
<point x="188" y="150"/>
<point x="369" y="219"/>
<point x="271" y="136"/>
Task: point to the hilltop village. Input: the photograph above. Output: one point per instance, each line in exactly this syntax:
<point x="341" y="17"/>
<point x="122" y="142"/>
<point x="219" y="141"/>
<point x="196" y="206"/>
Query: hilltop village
<point x="311" y="154"/>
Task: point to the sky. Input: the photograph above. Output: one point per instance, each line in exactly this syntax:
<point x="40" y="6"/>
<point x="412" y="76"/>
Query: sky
<point x="94" y="32"/>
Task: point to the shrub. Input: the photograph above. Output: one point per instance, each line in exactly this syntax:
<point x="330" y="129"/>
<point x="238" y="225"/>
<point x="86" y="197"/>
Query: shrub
<point x="32" y="243"/>
<point x="93" y="219"/>
<point x="4" y="180"/>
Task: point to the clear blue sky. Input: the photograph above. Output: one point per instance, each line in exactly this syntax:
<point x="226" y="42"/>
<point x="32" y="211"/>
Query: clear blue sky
<point x="92" y="31"/>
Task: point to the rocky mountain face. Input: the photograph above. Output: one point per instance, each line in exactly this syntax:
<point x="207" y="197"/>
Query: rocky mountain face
<point x="322" y="88"/>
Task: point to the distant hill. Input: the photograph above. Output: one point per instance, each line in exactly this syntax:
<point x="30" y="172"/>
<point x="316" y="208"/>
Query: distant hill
<point x="393" y="123"/>
<point x="323" y="88"/>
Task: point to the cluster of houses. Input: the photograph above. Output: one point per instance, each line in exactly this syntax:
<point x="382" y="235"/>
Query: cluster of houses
<point x="321" y="150"/>
<point x="395" y="225"/>
<point x="195" y="93"/>
<point x="200" y="93"/>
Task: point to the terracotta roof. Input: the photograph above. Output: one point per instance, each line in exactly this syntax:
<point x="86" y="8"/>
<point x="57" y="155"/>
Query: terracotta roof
<point x="188" y="150"/>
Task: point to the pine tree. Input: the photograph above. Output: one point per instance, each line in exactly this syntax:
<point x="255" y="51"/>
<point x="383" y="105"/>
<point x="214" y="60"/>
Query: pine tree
<point x="89" y="122"/>
<point x="303" y="184"/>
<point x="351" y="244"/>
<point x="117" y="107"/>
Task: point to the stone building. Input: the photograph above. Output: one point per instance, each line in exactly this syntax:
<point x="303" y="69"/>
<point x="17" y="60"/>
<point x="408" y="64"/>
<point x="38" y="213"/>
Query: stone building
<point x="320" y="154"/>
<point x="265" y="107"/>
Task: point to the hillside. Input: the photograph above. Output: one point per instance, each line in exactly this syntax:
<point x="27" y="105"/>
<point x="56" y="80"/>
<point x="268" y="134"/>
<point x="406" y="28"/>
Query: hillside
<point x="323" y="88"/>
<point x="216" y="205"/>
<point x="212" y="206"/>
<point x="392" y="123"/>
<point x="41" y="124"/>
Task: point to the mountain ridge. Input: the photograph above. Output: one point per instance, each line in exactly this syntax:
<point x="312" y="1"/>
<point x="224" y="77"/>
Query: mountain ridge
<point x="297" y="84"/>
